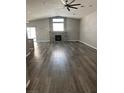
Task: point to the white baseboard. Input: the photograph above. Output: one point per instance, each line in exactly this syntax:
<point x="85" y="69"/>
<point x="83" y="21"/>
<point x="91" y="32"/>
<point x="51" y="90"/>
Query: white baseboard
<point x="27" y="84"/>
<point x="73" y="40"/>
<point x="49" y="41"/>
<point x="88" y="45"/>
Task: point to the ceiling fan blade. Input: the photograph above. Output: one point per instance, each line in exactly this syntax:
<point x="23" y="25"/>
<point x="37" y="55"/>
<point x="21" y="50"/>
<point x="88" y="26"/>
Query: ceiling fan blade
<point x="71" y="2"/>
<point x="68" y="9"/>
<point x="73" y="7"/>
<point x="75" y="4"/>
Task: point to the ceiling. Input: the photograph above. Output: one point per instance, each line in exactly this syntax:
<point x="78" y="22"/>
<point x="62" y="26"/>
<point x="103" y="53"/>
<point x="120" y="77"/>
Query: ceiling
<point x="38" y="9"/>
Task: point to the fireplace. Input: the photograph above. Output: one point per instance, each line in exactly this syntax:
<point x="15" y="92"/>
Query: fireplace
<point x="58" y="37"/>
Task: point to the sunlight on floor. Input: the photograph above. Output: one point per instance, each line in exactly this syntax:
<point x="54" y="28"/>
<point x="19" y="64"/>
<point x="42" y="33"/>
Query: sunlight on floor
<point x="59" y="56"/>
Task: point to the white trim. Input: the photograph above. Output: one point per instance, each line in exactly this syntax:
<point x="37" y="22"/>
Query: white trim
<point x="28" y="83"/>
<point x="87" y="44"/>
<point x="28" y="54"/>
<point x="73" y="40"/>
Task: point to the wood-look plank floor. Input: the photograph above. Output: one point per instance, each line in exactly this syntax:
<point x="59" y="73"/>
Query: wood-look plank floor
<point x="69" y="67"/>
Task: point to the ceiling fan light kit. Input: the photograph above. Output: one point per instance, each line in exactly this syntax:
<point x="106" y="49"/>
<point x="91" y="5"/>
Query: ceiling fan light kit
<point x="70" y="4"/>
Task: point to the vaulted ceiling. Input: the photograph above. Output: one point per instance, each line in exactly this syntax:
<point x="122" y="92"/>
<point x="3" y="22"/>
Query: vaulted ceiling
<point x="38" y="9"/>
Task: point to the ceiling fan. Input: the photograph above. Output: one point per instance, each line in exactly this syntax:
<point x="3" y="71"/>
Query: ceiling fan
<point x="69" y="5"/>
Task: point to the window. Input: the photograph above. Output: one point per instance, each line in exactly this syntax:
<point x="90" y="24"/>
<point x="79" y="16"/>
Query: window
<point x="31" y="33"/>
<point x="58" y="24"/>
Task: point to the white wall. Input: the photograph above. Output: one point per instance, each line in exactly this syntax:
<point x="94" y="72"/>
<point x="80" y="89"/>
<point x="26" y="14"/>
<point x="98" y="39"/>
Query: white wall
<point x="72" y="26"/>
<point x="42" y="29"/>
<point x="88" y="29"/>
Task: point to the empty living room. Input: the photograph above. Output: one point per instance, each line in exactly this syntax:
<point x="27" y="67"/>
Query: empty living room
<point x="61" y="46"/>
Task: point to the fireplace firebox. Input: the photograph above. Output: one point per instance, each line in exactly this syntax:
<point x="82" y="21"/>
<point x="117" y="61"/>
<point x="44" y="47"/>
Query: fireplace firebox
<point x="58" y="37"/>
